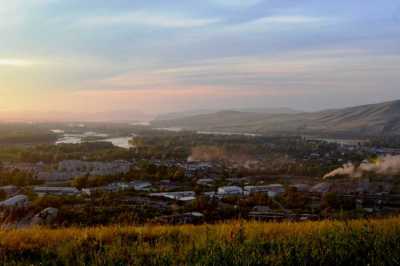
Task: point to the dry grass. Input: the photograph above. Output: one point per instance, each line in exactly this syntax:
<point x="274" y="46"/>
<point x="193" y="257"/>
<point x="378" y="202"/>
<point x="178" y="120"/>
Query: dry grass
<point x="359" y="242"/>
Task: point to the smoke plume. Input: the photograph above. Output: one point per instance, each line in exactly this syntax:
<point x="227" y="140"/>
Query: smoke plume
<point x="207" y="153"/>
<point x="385" y="165"/>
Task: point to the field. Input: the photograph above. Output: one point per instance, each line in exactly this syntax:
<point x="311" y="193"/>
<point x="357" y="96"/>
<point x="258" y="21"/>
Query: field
<point x="359" y="242"/>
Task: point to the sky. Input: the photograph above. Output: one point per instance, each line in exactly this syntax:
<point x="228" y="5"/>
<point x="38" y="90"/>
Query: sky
<point x="155" y="56"/>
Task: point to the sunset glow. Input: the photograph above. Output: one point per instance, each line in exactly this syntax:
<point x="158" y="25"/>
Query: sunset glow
<point x="156" y="57"/>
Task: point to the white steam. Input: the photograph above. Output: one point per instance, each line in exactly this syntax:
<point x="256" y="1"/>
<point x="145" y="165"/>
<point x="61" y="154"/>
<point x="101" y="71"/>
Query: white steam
<point x="386" y="165"/>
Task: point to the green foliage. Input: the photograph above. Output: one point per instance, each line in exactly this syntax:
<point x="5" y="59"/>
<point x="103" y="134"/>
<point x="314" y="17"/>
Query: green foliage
<point x="3" y="195"/>
<point x="25" y="135"/>
<point x="40" y="203"/>
<point x="293" y="199"/>
<point x="330" y="200"/>
<point x="17" y="178"/>
<point x="92" y="151"/>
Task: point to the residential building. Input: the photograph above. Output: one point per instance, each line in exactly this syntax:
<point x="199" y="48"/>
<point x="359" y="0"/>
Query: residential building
<point x="271" y="190"/>
<point x="180" y="196"/>
<point x="16" y="201"/>
<point x="230" y="191"/>
<point x="57" y="191"/>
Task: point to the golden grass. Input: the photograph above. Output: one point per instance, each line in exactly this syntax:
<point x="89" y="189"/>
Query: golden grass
<point x="319" y="242"/>
<point x="23" y="238"/>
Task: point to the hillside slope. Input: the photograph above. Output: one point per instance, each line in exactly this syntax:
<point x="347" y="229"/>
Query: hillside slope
<point x="179" y="115"/>
<point x="358" y="242"/>
<point x="372" y="119"/>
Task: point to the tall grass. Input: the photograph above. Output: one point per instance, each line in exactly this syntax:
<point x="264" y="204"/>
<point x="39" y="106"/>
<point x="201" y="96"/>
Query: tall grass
<point x="358" y="242"/>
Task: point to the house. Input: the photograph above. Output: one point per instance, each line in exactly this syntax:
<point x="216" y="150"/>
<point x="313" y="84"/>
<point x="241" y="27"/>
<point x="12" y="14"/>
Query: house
<point x="140" y="185"/>
<point x="16" y="201"/>
<point x="110" y="188"/>
<point x="146" y="202"/>
<point x="236" y="180"/>
<point x="167" y="185"/>
<point x="45" y="217"/>
<point x="271" y="190"/>
<point x="301" y="187"/>
<point x="211" y="194"/>
<point x="180" y="196"/>
<point x="117" y="186"/>
<point x="205" y="182"/>
<point x="260" y="208"/>
<point x="92" y="190"/>
<point x="57" y="176"/>
<point x="275" y="190"/>
<point x="230" y="191"/>
<point x="321" y="188"/>
<point x="57" y="191"/>
<point x="9" y="190"/>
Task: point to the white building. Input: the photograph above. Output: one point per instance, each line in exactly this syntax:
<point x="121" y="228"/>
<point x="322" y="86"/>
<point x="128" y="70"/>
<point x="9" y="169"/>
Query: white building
<point x="271" y="190"/>
<point x="205" y="182"/>
<point x="92" y="190"/>
<point x="16" y="201"/>
<point x="321" y="188"/>
<point x="57" y="191"/>
<point x="230" y="191"/>
<point x="119" y="186"/>
<point x="140" y="185"/>
<point x="301" y="187"/>
<point x="181" y="195"/>
<point x="9" y="190"/>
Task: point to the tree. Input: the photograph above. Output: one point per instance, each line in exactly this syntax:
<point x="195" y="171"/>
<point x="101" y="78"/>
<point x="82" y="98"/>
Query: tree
<point x="3" y="195"/>
<point x="80" y="182"/>
<point x="293" y="199"/>
<point x="178" y="175"/>
<point x="330" y="200"/>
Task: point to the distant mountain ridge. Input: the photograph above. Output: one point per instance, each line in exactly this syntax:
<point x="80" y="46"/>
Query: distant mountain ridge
<point x="178" y="115"/>
<point x="364" y="120"/>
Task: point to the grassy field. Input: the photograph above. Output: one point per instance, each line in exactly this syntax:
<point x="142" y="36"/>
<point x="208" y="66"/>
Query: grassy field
<point x="360" y="242"/>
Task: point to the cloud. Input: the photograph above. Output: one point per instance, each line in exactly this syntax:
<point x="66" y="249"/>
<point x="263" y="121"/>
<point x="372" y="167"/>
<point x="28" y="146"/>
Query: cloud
<point x="278" y="22"/>
<point x="143" y="18"/>
<point x="236" y="3"/>
<point x="298" y="19"/>
<point x="14" y="13"/>
<point x="16" y="62"/>
<point x="290" y="74"/>
<point x="197" y="73"/>
<point x="169" y="97"/>
<point x="18" y="6"/>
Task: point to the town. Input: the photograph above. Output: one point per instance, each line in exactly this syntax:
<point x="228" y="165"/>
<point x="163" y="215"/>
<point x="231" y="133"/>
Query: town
<point x="210" y="180"/>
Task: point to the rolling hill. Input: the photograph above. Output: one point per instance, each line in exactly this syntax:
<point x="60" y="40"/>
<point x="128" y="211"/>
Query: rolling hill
<point x="178" y="115"/>
<point x="365" y="120"/>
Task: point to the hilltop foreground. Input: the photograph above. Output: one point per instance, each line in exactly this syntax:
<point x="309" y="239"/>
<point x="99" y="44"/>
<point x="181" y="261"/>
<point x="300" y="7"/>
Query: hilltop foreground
<point x="359" y="242"/>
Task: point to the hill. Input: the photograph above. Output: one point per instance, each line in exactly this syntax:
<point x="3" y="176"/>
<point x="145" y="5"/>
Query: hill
<point x="358" y="242"/>
<point x="365" y="120"/>
<point x="178" y="115"/>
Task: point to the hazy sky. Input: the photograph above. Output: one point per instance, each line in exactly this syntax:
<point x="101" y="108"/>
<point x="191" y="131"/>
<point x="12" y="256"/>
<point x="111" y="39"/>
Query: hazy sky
<point x="158" y="55"/>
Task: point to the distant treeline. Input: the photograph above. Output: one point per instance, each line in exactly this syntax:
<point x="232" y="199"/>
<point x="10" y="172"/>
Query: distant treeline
<point x="386" y="142"/>
<point x="22" y="133"/>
